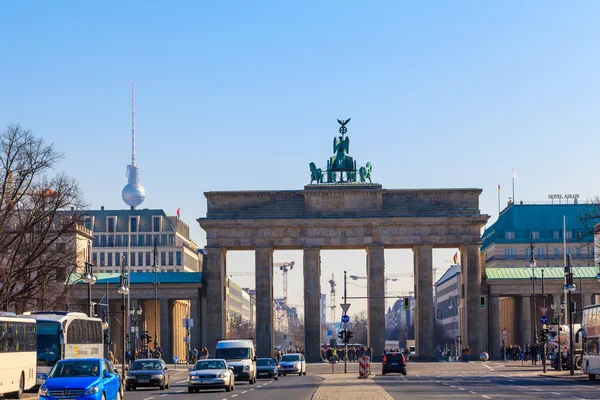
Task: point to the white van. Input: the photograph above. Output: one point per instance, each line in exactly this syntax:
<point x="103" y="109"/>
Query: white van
<point x="240" y="355"/>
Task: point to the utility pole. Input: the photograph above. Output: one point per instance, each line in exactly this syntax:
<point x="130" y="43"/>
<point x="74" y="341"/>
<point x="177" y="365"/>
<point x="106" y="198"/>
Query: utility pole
<point x="346" y="344"/>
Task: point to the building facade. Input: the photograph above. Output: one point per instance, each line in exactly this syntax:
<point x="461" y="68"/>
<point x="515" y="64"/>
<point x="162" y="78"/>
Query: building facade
<point x="116" y="240"/>
<point x="447" y="290"/>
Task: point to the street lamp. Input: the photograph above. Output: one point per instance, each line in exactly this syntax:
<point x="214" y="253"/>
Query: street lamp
<point x="135" y="313"/>
<point x="155" y="267"/>
<point x="89" y="278"/>
<point x="532" y="264"/>
<point x="557" y="320"/>
<point x="568" y="289"/>
<point x="123" y="290"/>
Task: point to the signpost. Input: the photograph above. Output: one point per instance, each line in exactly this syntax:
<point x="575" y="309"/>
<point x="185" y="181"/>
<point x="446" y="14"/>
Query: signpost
<point x="544" y="310"/>
<point x="543" y="320"/>
<point x="345" y="319"/>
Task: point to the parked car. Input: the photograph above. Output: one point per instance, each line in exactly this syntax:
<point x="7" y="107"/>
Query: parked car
<point x="149" y="372"/>
<point x="292" y="364"/>
<point x="393" y="362"/>
<point x="211" y="374"/>
<point x="89" y="378"/>
<point x="266" y="368"/>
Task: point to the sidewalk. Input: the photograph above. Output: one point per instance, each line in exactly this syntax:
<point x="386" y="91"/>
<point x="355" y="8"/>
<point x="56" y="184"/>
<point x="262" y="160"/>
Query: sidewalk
<point x="349" y="387"/>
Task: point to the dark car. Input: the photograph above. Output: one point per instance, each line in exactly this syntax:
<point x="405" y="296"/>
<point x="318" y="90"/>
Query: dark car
<point x="266" y="368"/>
<point x="393" y="362"/>
<point x="151" y="372"/>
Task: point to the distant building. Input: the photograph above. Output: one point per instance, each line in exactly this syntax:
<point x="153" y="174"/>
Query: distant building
<point x="115" y="238"/>
<point x="447" y="290"/>
<point x="239" y="302"/>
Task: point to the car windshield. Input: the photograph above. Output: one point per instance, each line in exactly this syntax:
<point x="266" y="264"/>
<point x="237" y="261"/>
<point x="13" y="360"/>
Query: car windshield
<point x="265" y="362"/>
<point x="290" y="357"/>
<point x="200" y="365"/>
<point x="146" y="365"/>
<point x="233" y="353"/>
<point x="75" y="368"/>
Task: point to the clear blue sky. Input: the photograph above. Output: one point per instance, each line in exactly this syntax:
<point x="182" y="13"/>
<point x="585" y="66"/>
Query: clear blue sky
<point x="243" y="95"/>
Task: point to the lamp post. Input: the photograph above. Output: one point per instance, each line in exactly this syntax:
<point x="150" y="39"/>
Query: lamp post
<point x="568" y="289"/>
<point x="155" y="267"/>
<point x="123" y="290"/>
<point x="598" y="274"/>
<point x="135" y="313"/>
<point x="532" y="264"/>
<point x="557" y="320"/>
<point x="89" y="278"/>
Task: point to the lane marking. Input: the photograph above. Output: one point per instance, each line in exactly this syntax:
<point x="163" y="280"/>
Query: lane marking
<point x="537" y="390"/>
<point x="163" y="395"/>
<point x="488" y="367"/>
<point x="183" y="381"/>
<point x="522" y="387"/>
<point x="245" y="391"/>
<point x="180" y="391"/>
<point x="555" y="393"/>
<point x="235" y="395"/>
<point x="485" y="397"/>
<point x="472" y="392"/>
<point x="461" y="389"/>
<point x="148" y="398"/>
<point x="252" y="389"/>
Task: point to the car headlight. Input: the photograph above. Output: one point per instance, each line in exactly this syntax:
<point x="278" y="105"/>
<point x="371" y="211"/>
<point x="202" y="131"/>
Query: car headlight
<point x="43" y="391"/>
<point x="274" y="370"/>
<point x="93" y="390"/>
<point x="246" y="368"/>
<point x="129" y="374"/>
<point x="221" y="376"/>
<point x="156" y="376"/>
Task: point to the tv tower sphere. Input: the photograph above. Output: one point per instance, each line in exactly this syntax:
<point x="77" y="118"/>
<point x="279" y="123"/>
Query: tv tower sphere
<point x="133" y="194"/>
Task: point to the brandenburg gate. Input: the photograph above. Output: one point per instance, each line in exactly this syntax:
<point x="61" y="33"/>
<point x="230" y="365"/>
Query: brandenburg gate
<point x="346" y="214"/>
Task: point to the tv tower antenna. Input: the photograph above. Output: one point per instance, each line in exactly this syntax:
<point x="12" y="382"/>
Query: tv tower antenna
<point x="132" y="123"/>
<point x="133" y="193"/>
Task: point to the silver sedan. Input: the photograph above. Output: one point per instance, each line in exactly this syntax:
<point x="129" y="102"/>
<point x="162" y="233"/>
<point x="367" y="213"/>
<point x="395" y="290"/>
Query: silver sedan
<point x="211" y="374"/>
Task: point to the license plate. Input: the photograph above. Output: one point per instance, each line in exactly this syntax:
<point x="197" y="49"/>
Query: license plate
<point x="236" y="375"/>
<point x="262" y="374"/>
<point x="205" y="381"/>
<point x="394" y="363"/>
<point x="143" y="380"/>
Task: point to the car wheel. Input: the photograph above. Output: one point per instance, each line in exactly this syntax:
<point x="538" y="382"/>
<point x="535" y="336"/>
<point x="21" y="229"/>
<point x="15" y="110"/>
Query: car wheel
<point x="404" y="373"/>
<point x="284" y="374"/>
<point x="304" y="373"/>
<point x="162" y="387"/>
<point x="592" y="377"/>
<point x="190" y="390"/>
<point x="382" y="372"/>
<point x="275" y="377"/>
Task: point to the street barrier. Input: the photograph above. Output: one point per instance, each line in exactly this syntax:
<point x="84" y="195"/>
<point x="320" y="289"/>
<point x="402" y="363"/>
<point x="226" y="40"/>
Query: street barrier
<point x="364" y="366"/>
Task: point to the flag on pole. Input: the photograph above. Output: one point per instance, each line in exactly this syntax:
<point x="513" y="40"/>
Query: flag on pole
<point x="455" y="258"/>
<point x="498" y="187"/>
<point x="178" y="212"/>
<point x="515" y="176"/>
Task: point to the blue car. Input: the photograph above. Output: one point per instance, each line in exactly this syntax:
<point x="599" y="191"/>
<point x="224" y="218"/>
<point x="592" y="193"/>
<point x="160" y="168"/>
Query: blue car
<point x="82" y="378"/>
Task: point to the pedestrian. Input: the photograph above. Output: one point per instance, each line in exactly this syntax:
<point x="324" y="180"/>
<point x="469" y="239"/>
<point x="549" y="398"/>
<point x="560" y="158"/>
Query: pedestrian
<point x="195" y="355"/>
<point x="534" y="353"/>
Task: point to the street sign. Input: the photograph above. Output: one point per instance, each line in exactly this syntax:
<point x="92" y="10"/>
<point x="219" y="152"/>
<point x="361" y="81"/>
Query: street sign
<point x="187" y="323"/>
<point x="504" y="332"/>
<point x="543" y="319"/>
<point x="544" y="310"/>
<point x="345" y="307"/>
<point x="345" y="319"/>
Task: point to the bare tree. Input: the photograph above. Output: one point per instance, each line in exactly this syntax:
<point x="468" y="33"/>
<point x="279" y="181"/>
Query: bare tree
<point x="358" y="327"/>
<point x="296" y="330"/>
<point x="240" y="329"/>
<point x="39" y="215"/>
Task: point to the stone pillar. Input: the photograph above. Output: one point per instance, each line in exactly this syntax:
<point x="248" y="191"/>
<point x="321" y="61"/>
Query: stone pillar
<point x="375" y="300"/>
<point x="312" y="304"/>
<point x="495" y="329"/>
<point x="217" y="296"/>
<point x="263" y="257"/>
<point x="195" y="339"/>
<point x="471" y="330"/>
<point x="525" y="320"/>
<point x="424" y="302"/>
<point x="166" y="331"/>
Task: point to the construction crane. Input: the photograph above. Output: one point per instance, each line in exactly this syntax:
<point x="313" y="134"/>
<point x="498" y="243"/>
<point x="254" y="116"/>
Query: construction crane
<point x="284" y="267"/>
<point x="332" y="298"/>
<point x="388" y="277"/>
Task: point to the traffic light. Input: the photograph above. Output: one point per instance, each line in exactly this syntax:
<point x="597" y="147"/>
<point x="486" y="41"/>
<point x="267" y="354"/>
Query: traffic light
<point x="342" y="336"/>
<point x="348" y="336"/>
<point x="127" y="337"/>
<point x="95" y="308"/>
<point x="148" y="338"/>
<point x="544" y="335"/>
<point x="106" y="338"/>
<point x="482" y="301"/>
<point x="406" y="303"/>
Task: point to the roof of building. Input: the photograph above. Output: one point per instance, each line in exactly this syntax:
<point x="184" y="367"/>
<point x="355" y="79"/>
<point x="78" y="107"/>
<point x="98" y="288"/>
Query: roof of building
<point x="170" y="223"/>
<point x="449" y="274"/>
<point x="144" y="277"/>
<point x="543" y="218"/>
<point x="497" y="274"/>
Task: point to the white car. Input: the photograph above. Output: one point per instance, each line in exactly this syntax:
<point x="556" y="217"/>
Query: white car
<point x="292" y="364"/>
<point x="211" y="374"/>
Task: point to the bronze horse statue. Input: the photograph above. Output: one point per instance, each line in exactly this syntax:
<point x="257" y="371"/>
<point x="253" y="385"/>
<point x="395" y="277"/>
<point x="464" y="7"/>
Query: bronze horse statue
<point x="316" y="174"/>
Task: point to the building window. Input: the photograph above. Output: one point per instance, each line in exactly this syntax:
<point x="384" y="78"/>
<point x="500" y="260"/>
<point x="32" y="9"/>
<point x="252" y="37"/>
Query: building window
<point x="556" y="253"/>
<point x="568" y="251"/>
<point x="171" y="240"/>
<point x="134" y="224"/>
<point x="535" y="235"/>
<point x="102" y="240"/>
<point x="148" y="258"/>
<point x="141" y="240"/>
<point x="149" y="240"/>
<point x="178" y="257"/>
<point x="102" y="259"/>
<point x="170" y="258"/>
<point x="156" y="224"/>
<point x="510" y="236"/>
<point x="140" y="259"/>
<point x="163" y="240"/>
<point x="156" y="240"/>
<point x="579" y="252"/>
<point x="556" y="235"/>
<point x="109" y="260"/>
<point x="118" y="241"/>
<point x="163" y="258"/>
<point x="95" y="258"/>
<point x="540" y="254"/>
<point x="579" y="235"/>
<point x="170" y="270"/>
<point x="117" y="259"/>
<point x="111" y="240"/>
<point x="133" y="240"/>
<point x="132" y="259"/>
<point x="111" y="224"/>
<point x="96" y="241"/>
<point x="509" y="254"/>
<point x="88" y="223"/>
<point x="569" y="235"/>
<point x="528" y="253"/>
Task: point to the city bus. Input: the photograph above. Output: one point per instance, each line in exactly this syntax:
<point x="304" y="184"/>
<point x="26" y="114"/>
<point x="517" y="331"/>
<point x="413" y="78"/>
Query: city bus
<point x="591" y="341"/>
<point x="17" y="354"/>
<point x="64" y="334"/>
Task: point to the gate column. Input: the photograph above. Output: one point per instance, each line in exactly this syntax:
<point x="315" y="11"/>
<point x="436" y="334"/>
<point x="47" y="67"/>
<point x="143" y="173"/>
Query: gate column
<point x="423" y="302"/>
<point x="471" y="329"/>
<point x="217" y="296"/>
<point x="312" y="304"/>
<point x="375" y="300"/>
<point x="263" y="257"/>
<point x="494" y="323"/>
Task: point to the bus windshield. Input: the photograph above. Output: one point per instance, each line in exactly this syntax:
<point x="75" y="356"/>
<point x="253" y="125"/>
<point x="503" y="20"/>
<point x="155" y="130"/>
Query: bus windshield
<point x="48" y="343"/>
